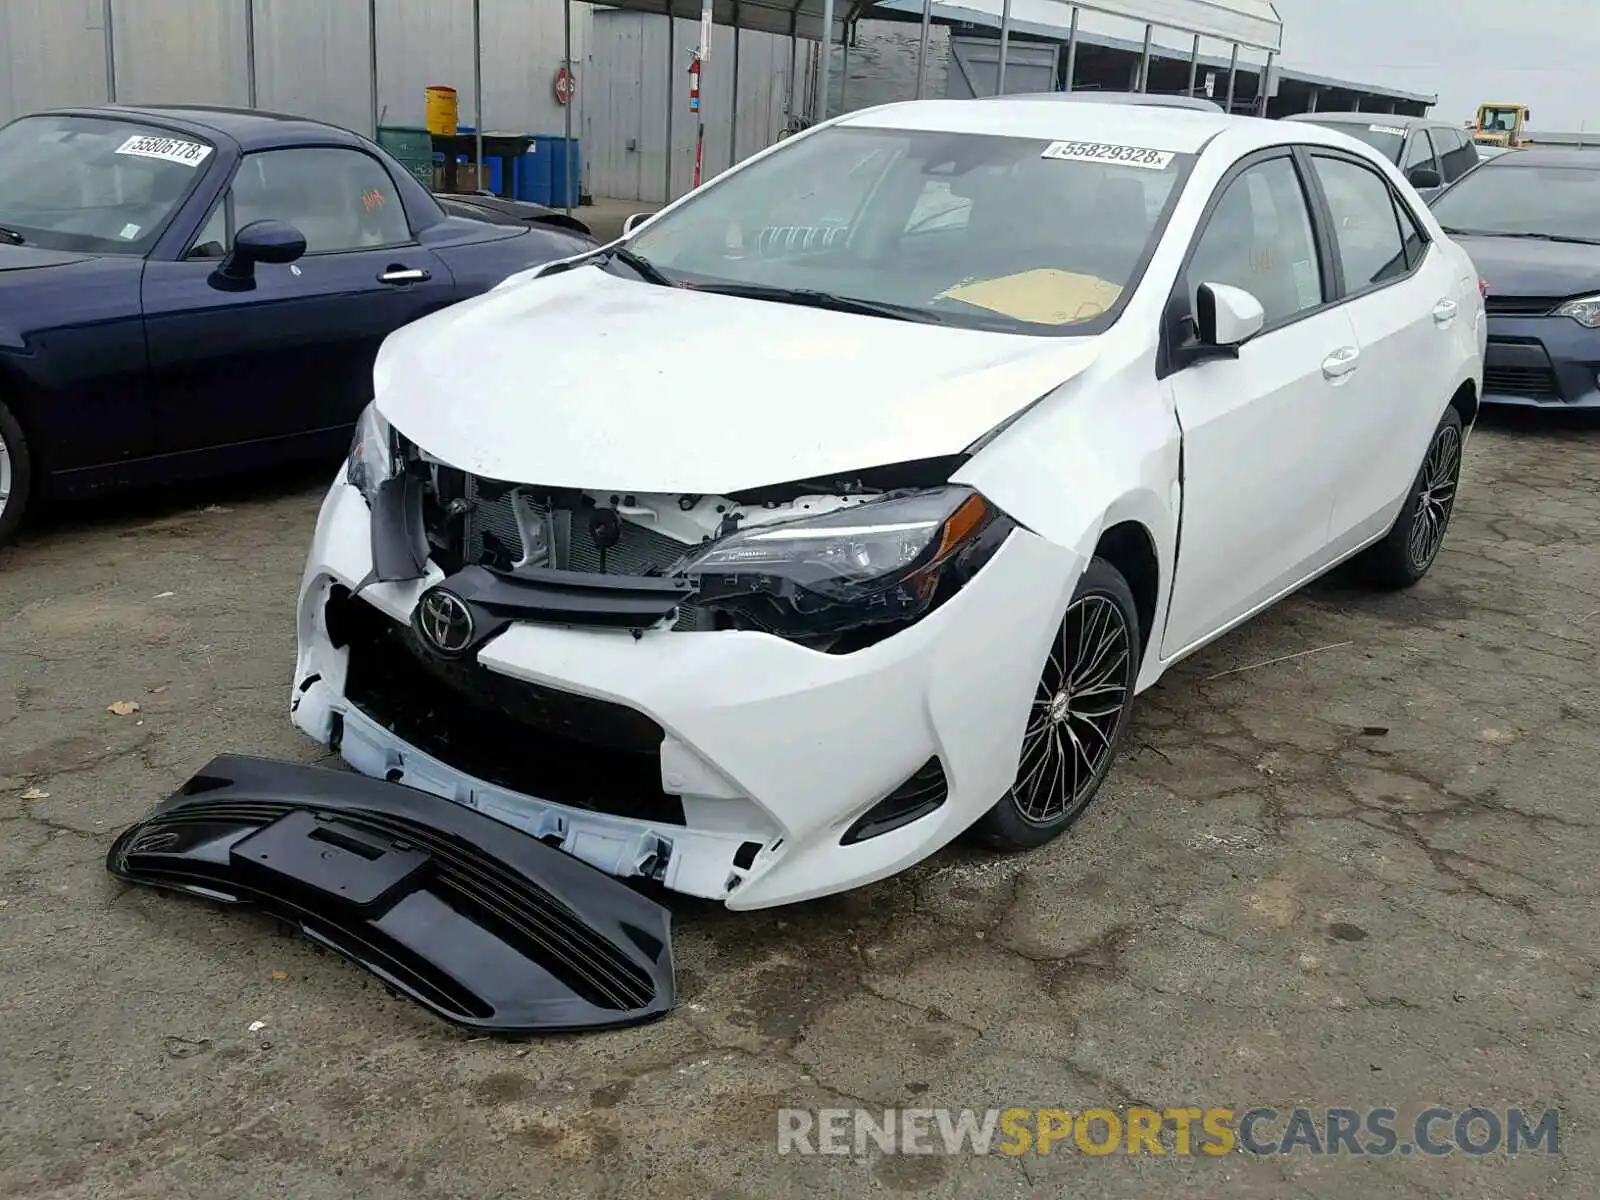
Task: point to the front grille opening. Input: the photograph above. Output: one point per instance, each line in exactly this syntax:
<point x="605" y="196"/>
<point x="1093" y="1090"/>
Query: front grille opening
<point x="1538" y="383"/>
<point x="1519" y="306"/>
<point x="914" y="799"/>
<point x="570" y="750"/>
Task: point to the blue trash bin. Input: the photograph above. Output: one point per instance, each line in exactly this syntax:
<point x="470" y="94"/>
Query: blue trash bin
<point x="566" y="164"/>
<point x="532" y="180"/>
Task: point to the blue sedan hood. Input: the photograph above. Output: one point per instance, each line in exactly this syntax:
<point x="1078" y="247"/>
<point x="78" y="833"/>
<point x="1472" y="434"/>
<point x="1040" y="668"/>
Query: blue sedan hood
<point x="21" y="258"/>
<point x="1529" y="267"/>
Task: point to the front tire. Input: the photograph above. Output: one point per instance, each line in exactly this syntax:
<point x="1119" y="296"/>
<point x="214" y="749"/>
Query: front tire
<point x="1414" y="541"/>
<point x="16" y="474"/>
<point x="1079" y="711"/>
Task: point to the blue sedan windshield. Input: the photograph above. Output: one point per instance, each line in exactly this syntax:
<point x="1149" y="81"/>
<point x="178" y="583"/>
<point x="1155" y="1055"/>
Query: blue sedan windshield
<point x="93" y="184"/>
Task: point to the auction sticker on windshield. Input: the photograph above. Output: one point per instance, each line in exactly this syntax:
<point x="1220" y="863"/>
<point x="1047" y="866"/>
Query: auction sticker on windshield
<point x="1394" y="129"/>
<point x="1100" y="152"/>
<point x="174" y="150"/>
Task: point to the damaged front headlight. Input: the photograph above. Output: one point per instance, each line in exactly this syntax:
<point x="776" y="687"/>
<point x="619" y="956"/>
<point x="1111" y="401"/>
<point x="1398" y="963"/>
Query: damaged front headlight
<point x="847" y="578"/>
<point x="374" y="458"/>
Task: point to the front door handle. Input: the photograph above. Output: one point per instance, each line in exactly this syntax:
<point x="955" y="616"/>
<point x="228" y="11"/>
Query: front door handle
<point x="398" y="275"/>
<point x="1341" y="363"/>
<point x="1444" y="312"/>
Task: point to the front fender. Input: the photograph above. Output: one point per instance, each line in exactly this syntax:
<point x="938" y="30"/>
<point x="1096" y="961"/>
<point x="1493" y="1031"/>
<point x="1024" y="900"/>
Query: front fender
<point x="1100" y="451"/>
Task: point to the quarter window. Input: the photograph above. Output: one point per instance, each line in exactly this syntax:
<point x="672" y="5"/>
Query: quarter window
<point x="1259" y="238"/>
<point x="1365" y="226"/>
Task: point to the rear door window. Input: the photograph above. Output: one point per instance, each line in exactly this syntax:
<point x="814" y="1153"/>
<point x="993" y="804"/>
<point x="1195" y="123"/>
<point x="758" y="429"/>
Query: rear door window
<point x="1366" y="226"/>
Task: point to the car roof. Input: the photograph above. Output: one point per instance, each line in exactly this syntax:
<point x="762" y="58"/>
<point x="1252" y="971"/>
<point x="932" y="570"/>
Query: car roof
<point x="1586" y="160"/>
<point x="1148" y="99"/>
<point x="1398" y="120"/>
<point x="252" y="129"/>
<point x="1180" y="130"/>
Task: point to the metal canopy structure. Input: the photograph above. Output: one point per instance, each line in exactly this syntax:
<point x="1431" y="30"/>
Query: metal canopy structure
<point x="1249" y="23"/>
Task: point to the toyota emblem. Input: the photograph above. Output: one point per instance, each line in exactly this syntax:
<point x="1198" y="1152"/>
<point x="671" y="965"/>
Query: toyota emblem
<point x="445" y="622"/>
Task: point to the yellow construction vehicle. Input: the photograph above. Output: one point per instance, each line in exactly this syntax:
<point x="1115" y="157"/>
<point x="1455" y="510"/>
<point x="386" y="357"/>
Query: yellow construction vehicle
<point x="1501" y="125"/>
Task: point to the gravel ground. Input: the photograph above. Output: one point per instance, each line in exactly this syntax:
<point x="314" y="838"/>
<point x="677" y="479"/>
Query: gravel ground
<point x="1362" y="877"/>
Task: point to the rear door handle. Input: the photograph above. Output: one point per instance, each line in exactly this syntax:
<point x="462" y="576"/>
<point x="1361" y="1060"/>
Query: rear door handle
<point x="1444" y="312"/>
<point x="399" y="275"/>
<point x="1341" y="363"/>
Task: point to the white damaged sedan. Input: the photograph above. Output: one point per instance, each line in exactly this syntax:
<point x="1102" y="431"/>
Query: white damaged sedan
<point x="844" y="506"/>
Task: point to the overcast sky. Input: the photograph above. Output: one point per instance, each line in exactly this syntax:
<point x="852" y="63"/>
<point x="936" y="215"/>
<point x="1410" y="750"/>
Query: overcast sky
<point x="1542" y="53"/>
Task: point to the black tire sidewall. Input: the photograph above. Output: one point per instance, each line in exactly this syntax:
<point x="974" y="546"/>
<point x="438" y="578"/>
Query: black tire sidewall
<point x="1003" y="826"/>
<point x="21" y="473"/>
<point x="1389" y="561"/>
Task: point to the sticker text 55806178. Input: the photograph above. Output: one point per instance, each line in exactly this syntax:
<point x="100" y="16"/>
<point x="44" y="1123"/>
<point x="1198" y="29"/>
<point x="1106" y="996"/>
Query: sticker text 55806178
<point x="1100" y="152"/>
<point x="173" y="150"/>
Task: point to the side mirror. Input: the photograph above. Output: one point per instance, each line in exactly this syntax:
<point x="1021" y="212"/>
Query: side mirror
<point x="258" y="242"/>
<point x="1423" y="178"/>
<point x="1226" y="317"/>
<point x="634" y="221"/>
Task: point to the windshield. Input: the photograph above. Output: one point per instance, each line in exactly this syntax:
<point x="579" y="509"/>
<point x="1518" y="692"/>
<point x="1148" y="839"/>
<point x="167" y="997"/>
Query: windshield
<point x="92" y="184"/>
<point x="1385" y="139"/>
<point x="1561" y="202"/>
<point x="1499" y="120"/>
<point x="1016" y="234"/>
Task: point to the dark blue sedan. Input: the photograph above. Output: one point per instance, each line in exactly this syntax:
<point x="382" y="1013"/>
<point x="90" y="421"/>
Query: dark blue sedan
<point x="1530" y="219"/>
<point x="187" y="292"/>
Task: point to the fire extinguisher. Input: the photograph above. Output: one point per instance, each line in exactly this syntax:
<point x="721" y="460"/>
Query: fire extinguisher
<point x="694" y="107"/>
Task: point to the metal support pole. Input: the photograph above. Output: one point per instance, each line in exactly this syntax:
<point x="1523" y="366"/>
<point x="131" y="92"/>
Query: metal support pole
<point x="794" y="60"/>
<point x="733" y="94"/>
<point x="1233" y="75"/>
<point x="1194" y="63"/>
<point x="111" y="53"/>
<point x="844" y="67"/>
<point x="1072" y="48"/>
<point x="1005" y="46"/>
<point x="1315" y="92"/>
<point x="922" y="48"/>
<point x="477" y="89"/>
<point x="250" y="53"/>
<point x="372" y="61"/>
<point x="1265" y="89"/>
<point x="826" y="61"/>
<point x="566" y="109"/>
<point x="672" y="96"/>
<point x="1144" y="59"/>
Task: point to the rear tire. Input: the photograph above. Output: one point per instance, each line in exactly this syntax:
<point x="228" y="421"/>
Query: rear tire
<point x="16" y="474"/>
<point x="1414" y="541"/>
<point x="1079" y="711"/>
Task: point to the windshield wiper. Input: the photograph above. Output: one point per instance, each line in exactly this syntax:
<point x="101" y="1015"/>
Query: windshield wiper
<point x="11" y="235"/>
<point x="810" y="298"/>
<point x="641" y="266"/>
<point x="1537" y="237"/>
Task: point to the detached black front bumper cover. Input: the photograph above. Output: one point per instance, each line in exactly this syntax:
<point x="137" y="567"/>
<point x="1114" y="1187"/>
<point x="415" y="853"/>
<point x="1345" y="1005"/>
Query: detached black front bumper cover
<point x="485" y="926"/>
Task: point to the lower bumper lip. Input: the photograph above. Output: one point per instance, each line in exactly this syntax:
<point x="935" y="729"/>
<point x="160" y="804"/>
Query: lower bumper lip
<point x="481" y="924"/>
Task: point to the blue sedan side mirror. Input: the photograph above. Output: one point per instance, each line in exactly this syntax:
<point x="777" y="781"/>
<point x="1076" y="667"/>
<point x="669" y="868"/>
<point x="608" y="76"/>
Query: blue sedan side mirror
<point x="258" y="242"/>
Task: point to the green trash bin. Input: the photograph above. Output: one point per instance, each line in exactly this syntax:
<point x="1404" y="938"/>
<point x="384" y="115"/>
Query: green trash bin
<point x="412" y="147"/>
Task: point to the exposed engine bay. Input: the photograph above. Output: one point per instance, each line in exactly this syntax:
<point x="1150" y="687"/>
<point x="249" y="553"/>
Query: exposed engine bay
<point x="780" y="559"/>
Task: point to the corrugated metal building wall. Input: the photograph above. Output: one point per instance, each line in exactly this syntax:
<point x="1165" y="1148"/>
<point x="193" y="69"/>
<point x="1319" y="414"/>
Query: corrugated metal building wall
<point x="312" y="58"/>
<point x="625" y="118"/>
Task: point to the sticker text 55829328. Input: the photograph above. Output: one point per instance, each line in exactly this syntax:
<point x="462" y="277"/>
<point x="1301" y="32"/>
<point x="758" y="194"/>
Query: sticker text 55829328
<point x="173" y="150"/>
<point x="1100" y="152"/>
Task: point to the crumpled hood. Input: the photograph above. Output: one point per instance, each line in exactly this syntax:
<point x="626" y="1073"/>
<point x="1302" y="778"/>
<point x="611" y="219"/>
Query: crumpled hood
<point x="585" y="380"/>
